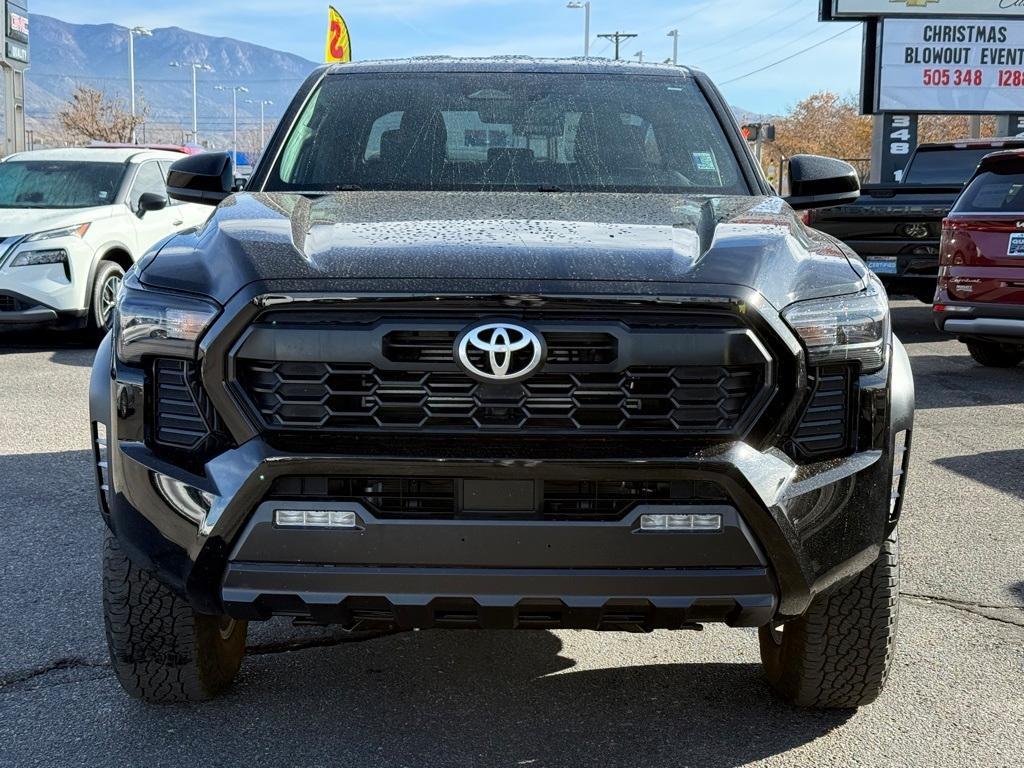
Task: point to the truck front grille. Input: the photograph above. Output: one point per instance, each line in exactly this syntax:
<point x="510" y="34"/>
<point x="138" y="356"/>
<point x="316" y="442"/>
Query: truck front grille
<point x="693" y="373"/>
<point x="687" y="400"/>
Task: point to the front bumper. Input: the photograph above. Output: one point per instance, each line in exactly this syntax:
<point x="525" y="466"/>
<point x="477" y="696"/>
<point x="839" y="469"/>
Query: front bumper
<point x="17" y="312"/>
<point x="790" y="532"/>
<point x="51" y="287"/>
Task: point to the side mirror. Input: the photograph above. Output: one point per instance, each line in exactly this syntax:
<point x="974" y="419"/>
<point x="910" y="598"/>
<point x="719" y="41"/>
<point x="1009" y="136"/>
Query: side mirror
<point x="206" y="179"/>
<point x="821" y="182"/>
<point x="151" y="201"/>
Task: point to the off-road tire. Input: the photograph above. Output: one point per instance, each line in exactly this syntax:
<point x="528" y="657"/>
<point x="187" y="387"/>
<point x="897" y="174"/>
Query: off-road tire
<point x="838" y="654"/>
<point x="160" y="649"/>
<point x="994" y="355"/>
<point x="99" y="312"/>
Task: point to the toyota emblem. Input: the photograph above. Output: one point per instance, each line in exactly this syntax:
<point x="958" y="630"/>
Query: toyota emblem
<point x="499" y="352"/>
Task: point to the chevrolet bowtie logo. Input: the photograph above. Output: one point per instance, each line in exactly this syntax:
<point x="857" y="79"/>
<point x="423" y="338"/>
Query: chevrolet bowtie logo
<point x="915" y="3"/>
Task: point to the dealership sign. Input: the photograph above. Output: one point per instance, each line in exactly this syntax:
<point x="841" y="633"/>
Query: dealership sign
<point x="951" y="66"/>
<point x="868" y="8"/>
<point x="14" y="51"/>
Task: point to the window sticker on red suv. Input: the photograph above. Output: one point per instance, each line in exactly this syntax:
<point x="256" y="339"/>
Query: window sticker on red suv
<point x="1016" y="244"/>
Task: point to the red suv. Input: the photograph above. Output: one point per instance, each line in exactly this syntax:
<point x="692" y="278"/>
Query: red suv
<point x="980" y="295"/>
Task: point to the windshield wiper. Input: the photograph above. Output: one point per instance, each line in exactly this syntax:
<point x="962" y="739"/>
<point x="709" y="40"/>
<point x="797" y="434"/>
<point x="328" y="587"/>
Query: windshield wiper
<point x="550" y="188"/>
<point x="348" y="188"/>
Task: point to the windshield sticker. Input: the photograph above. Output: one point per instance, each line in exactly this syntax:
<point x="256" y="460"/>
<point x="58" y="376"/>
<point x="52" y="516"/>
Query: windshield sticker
<point x="1016" y="244"/>
<point x="704" y="161"/>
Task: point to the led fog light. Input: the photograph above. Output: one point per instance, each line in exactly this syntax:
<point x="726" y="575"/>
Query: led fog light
<point x="314" y="518"/>
<point x="681" y="523"/>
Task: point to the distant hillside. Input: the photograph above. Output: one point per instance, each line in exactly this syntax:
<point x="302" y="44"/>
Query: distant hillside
<point x="65" y="55"/>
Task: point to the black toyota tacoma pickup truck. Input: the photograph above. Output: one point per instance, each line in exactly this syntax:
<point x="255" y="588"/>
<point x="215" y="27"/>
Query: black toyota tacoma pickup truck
<point x="896" y="228"/>
<point x="503" y="344"/>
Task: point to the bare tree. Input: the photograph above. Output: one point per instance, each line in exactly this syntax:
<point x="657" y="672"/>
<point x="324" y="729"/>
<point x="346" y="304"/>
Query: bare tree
<point x="91" y="116"/>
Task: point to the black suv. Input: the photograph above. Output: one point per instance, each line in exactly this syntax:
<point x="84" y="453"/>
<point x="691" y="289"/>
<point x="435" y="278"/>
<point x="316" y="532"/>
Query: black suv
<point x="506" y="344"/>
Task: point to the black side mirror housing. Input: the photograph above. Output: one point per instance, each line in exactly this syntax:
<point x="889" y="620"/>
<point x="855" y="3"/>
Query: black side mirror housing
<point x="206" y="179"/>
<point x="151" y="201"/>
<point x="821" y="182"/>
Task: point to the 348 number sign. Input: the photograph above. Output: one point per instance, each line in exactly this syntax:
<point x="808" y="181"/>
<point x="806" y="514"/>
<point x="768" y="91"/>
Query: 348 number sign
<point x="900" y="132"/>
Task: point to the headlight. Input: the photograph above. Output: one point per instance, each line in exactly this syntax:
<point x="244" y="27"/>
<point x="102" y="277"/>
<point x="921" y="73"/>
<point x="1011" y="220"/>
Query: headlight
<point x="155" y="323"/>
<point x="78" y="230"/>
<point x="35" y="258"/>
<point x="844" y="328"/>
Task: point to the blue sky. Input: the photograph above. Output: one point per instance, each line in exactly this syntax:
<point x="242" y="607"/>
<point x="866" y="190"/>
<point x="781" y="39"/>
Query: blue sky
<point x="728" y="38"/>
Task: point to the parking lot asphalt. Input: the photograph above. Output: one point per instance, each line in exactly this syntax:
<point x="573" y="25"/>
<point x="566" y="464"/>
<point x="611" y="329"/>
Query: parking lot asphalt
<point x="536" y="699"/>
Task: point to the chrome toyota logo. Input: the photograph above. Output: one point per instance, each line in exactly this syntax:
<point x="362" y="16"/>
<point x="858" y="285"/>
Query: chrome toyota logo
<point x="503" y="352"/>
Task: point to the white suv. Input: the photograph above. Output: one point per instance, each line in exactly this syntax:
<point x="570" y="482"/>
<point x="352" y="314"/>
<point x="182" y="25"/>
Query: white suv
<point x="72" y="222"/>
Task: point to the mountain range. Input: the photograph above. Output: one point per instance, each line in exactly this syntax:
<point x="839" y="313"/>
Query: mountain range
<point x="65" y="56"/>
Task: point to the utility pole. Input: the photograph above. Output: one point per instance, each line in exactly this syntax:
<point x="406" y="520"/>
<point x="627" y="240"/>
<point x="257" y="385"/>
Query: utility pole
<point x="586" y="23"/>
<point x="132" y="34"/>
<point x="195" y="66"/>
<point x="674" y="34"/>
<point x="618" y="38"/>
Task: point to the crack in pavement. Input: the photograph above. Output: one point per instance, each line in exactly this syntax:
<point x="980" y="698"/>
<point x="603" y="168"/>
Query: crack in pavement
<point x="974" y="609"/>
<point x="18" y="681"/>
<point x="66" y="663"/>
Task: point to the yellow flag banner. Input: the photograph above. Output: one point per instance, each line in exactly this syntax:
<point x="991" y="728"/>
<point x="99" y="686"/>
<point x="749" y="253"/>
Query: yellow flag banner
<point x="339" y="47"/>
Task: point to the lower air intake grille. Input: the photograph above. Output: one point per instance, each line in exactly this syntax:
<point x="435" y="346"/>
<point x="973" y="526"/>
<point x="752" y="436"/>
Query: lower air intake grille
<point x="826" y="429"/>
<point x="411" y="498"/>
<point x="184" y="419"/>
<point x="10" y="304"/>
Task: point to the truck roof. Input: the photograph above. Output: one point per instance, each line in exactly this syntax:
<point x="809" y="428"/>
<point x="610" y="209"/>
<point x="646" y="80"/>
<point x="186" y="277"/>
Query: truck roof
<point x="994" y="143"/>
<point x="590" y="65"/>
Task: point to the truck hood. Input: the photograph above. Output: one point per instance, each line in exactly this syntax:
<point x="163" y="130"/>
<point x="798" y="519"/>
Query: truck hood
<point x="16" y="222"/>
<point x="366" y="240"/>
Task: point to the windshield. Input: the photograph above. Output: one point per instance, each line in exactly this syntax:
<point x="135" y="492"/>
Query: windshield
<point x="508" y="132"/>
<point x="39" y="184"/>
<point x="945" y="167"/>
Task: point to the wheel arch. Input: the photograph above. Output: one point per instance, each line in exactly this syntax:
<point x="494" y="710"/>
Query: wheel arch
<point x="119" y="254"/>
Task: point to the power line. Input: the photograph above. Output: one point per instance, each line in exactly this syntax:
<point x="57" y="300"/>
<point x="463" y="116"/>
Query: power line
<point x="790" y="57"/>
<point x="755" y="25"/>
<point x="776" y="47"/>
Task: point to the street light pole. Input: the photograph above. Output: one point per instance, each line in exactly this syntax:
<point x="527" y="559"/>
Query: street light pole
<point x="674" y="34"/>
<point x="195" y="66"/>
<point x="586" y="23"/>
<point x="132" y="33"/>
<point x="235" y="90"/>
<point x="264" y="103"/>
